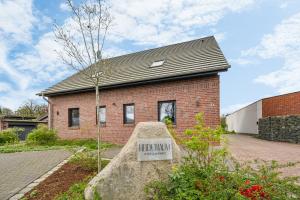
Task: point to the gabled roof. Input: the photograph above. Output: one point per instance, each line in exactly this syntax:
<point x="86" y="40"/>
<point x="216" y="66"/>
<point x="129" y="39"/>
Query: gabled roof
<point x="196" y="57"/>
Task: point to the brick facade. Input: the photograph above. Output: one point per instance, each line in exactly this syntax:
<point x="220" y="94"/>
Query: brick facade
<point x="192" y="96"/>
<point x="287" y="104"/>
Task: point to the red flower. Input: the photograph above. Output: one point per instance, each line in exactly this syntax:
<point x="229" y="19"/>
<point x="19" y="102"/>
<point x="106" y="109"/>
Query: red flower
<point x="222" y="178"/>
<point x="253" y="192"/>
<point x="262" y="194"/>
<point x="256" y="188"/>
<point x="246" y="192"/>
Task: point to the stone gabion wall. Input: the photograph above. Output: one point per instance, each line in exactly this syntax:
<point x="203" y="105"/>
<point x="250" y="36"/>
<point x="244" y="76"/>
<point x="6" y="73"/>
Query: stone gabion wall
<point x="280" y="128"/>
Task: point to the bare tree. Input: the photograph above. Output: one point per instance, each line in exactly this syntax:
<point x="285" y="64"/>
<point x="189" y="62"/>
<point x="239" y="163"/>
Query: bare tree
<point x="82" y="39"/>
<point x="5" y="111"/>
<point x="31" y="108"/>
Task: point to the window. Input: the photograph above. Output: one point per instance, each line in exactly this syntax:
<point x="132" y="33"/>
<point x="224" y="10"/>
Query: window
<point x="157" y="63"/>
<point x="102" y="114"/>
<point x="128" y="113"/>
<point x="73" y="117"/>
<point x="167" y="110"/>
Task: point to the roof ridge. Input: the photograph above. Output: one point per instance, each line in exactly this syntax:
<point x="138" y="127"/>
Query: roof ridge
<point x="169" y="45"/>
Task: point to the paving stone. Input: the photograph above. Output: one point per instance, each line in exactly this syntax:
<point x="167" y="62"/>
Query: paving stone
<point x="22" y="168"/>
<point x="17" y="197"/>
<point x="248" y="148"/>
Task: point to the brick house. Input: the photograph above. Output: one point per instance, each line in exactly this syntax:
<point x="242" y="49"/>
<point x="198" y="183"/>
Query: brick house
<point x="245" y="120"/>
<point x="175" y="81"/>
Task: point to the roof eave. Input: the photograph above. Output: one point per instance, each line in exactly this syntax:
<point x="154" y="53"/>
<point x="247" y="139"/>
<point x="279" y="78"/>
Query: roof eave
<point x="135" y="83"/>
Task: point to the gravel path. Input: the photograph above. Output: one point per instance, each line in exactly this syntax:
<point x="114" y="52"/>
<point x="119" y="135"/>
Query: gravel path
<point x="19" y="169"/>
<point x="245" y="147"/>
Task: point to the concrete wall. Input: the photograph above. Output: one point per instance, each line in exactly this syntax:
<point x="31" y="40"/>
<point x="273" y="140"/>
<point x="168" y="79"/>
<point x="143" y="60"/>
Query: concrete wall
<point x="245" y="120"/>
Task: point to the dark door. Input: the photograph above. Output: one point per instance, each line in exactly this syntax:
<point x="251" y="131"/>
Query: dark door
<point x="26" y="129"/>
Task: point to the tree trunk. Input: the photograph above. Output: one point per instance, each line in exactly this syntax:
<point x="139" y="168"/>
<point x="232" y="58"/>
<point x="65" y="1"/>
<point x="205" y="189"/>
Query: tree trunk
<point x="98" y="127"/>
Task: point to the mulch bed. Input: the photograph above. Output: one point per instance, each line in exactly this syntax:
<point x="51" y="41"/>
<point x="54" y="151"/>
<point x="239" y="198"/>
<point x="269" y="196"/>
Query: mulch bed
<point x="59" y="182"/>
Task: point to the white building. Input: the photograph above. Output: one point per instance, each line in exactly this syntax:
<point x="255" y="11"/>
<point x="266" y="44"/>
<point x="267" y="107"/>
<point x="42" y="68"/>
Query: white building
<point x="245" y="120"/>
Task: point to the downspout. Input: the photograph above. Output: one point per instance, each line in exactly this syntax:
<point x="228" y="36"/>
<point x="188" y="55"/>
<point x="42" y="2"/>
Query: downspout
<point x="50" y="126"/>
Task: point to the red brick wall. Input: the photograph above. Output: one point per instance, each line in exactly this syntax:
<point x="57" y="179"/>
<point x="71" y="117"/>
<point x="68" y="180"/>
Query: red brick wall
<point x="3" y="125"/>
<point x="288" y="104"/>
<point x="205" y="90"/>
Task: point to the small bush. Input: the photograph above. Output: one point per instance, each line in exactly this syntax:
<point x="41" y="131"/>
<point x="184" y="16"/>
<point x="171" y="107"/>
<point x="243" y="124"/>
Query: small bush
<point x="10" y="135"/>
<point x="88" y="161"/>
<point x="42" y="136"/>
<point x="205" y="174"/>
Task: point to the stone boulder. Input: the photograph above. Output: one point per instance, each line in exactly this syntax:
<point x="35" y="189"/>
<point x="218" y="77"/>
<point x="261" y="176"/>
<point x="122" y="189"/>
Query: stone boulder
<point x="125" y="177"/>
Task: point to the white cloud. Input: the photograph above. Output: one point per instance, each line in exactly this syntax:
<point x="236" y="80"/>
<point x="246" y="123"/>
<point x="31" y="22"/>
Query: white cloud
<point x="64" y="7"/>
<point x="16" y="19"/>
<point x="42" y="61"/>
<point x="14" y="98"/>
<point x="20" y="79"/>
<point x="283" y="43"/>
<point x="283" y="5"/>
<point x="4" y="87"/>
<point x="232" y="108"/>
<point x="242" y="61"/>
<point x="160" y="22"/>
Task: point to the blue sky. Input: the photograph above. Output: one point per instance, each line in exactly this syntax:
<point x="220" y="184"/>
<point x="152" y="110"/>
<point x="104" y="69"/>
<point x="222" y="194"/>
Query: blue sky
<point x="260" y="39"/>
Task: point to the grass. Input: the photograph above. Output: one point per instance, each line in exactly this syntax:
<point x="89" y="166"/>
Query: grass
<point x="20" y="147"/>
<point x="89" y="144"/>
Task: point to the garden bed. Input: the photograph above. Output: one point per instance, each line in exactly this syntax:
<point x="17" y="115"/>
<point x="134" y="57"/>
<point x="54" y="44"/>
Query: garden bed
<point x="60" y="182"/>
<point x="69" y="181"/>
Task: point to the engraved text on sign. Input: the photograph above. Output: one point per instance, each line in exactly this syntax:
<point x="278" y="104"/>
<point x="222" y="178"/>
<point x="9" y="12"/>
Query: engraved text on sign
<point x="154" y="149"/>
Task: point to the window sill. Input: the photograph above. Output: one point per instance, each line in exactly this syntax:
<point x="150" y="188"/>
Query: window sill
<point x="129" y="125"/>
<point x="101" y="125"/>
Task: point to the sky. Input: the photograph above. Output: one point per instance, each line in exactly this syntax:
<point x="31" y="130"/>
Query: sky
<point x="259" y="38"/>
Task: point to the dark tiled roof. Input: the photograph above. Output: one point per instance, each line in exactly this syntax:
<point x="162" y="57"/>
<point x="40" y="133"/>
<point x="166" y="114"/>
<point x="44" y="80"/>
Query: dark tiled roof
<point x="192" y="57"/>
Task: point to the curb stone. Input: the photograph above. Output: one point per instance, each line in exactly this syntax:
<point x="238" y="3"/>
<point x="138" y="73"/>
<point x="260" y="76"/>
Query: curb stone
<point x="20" y="194"/>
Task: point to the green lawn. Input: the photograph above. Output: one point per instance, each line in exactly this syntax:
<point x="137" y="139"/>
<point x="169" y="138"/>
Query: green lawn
<point x="60" y="144"/>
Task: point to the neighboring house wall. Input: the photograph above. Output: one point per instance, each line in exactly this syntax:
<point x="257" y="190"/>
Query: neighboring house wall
<point x="3" y="125"/>
<point x="192" y="96"/>
<point x="287" y="104"/>
<point x="245" y="120"/>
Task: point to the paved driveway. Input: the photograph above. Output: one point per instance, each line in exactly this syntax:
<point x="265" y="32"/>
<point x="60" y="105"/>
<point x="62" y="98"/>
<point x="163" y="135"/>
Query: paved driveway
<point x="245" y="147"/>
<point x="19" y="169"/>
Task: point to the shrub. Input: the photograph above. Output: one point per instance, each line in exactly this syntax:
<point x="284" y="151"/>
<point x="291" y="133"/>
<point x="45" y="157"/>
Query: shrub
<point x="42" y="136"/>
<point x="88" y="161"/>
<point x="205" y="174"/>
<point x="10" y="135"/>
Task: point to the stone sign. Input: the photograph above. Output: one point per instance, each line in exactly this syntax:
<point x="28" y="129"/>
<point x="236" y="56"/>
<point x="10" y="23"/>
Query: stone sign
<point x="149" y="155"/>
<point x="154" y="149"/>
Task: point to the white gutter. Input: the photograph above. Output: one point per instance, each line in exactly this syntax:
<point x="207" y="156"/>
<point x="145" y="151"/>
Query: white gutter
<point x="49" y="111"/>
